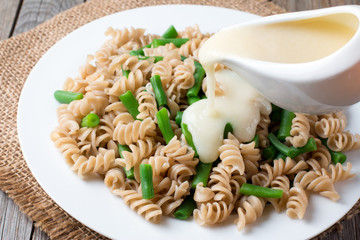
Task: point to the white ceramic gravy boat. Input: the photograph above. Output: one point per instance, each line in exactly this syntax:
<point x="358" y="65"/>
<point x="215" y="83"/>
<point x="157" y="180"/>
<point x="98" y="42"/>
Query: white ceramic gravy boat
<point x="324" y="85"/>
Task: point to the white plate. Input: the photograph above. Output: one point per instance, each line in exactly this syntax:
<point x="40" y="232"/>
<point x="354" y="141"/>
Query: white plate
<point x="90" y="201"/>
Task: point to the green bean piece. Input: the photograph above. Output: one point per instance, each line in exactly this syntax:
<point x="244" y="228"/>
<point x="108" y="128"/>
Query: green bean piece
<point x="129" y="173"/>
<point x="140" y="51"/>
<point x="285" y="124"/>
<point x="186" y="208"/>
<point x="125" y="72"/>
<point x="188" y="137"/>
<point x="308" y="147"/>
<point x="275" y="108"/>
<point x="202" y="95"/>
<point x="170" y="32"/>
<point x="183" y="57"/>
<point x="67" y="96"/>
<point x="275" y="116"/>
<point x="137" y="52"/>
<point x="192" y="100"/>
<point x="256" y="140"/>
<point x="159" y="92"/>
<point x="199" y="75"/>
<point x="178" y="117"/>
<point x="123" y="148"/>
<point x="258" y="191"/>
<point x="91" y="120"/>
<point x="130" y="103"/>
<point x="156" y="58"/>
<point x="228" y="128"/>
<point x="163" y="41"/>
<point x="202" y="174"/>
<point x="164" y="125"/>
<point x="335" y="156"/>
<point x="146" y="175"/>
<point x="280" y="156"/>
<point x="269" y="152"/>
<point x="292" y="151"/>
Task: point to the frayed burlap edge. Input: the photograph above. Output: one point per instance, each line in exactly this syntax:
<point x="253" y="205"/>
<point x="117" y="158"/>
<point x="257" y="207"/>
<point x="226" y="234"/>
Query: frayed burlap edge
<point x="18" y="56"/>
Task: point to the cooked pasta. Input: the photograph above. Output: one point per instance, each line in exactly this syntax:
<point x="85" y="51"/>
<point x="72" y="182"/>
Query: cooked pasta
<point x="128" y="135"/>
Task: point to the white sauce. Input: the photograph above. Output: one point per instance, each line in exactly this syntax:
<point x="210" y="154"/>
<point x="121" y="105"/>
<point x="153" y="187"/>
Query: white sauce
<point x="241" y="106"/>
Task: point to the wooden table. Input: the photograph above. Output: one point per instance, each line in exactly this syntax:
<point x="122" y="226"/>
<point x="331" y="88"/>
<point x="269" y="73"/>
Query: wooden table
<point x="17" y="16"/>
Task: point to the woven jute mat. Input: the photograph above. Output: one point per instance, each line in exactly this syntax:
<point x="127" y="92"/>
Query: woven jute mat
<point x="18" y="55"/>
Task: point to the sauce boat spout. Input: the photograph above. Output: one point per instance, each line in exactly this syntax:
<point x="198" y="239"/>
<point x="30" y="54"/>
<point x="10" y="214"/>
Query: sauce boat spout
<point x="304" y="61"/>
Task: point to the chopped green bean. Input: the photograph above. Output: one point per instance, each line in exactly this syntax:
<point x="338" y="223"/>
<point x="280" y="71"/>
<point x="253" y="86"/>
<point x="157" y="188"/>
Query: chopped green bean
<point x="186" y="208"/>
<point x="269" y="152"/>
<point x="292" y="151"/>
<point x="163" y="41"/>
<point x="178" y="117"/>
<point x="170" y="32"/>
<point x="129" y="173"/>
<point x="192" y="100"/>
<point x="140" y="51"/>
<point x="335" y="156"/>
<point x="146" y="181"/>
<point x="164" y="125"/>
<point x="159" y="92"/>
<point x="256" y="140"/>
<point x="91" y="120"/>
<point x="258" y="191"/>
<point x="275" y="116"/>
<point x="67" y="96"/>
<point x="125" y="72"/>
<point x="183" y="57"/>
<point x="199" y="75"/>
<point x="202" y="174"/>
<point x="275" y="108"/>
<point x="156" y="58"/>
<point x="285" y="124"/>
<point x="280" y="156"/>
<point x="188" y="137"/>
<point x="130" y="103"/>
<point x="228" y="128"/>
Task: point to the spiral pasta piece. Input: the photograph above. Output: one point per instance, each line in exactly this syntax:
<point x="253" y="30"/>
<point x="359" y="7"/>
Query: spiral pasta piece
<point x="338" y="172"/>
<point x="191" y="47"/>
<point x="219" y="183"/>
<point x="129" y="62"/>
<point x="212" y="213"/>
<point x="133" y="82"/>
<point x="99" y="164"/>
<point x="262" y="130"/>
<point x="230" y="154"/>
<point x="282" y="183"/>
<point x="251" y="156"/>
<point x="147" y="104"/>
<point x="143" y="148"/>
<point x="168" y="204"/>
<point x="131" y="132"/>
<point x="311" y="181"/>
<point x="251" y="208"/>
<point x="327" y="126"/>
<point x="164" y="70"/>
<point x="344" y="141"/>
<point x="281" y="167"/>
<point x="320" y="158"/>
<point x="300" y="131"/>
<point x="67" y="120"/>
<point x="144" y="207"/>
<point x="115" y="179"/>
<point x="297" y="202"/>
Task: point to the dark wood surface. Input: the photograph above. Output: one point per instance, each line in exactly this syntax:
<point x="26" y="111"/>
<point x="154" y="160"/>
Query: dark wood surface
<point x="17" y="16"/>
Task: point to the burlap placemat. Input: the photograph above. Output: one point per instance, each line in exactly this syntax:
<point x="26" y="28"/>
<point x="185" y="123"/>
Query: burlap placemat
<point x="18" y="55"/>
